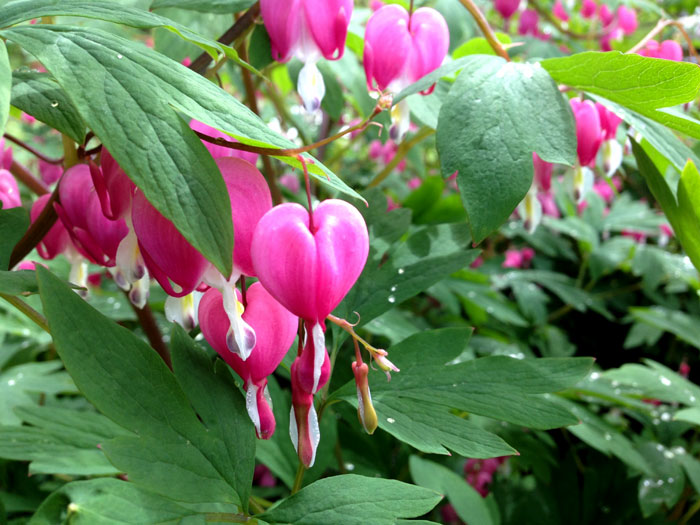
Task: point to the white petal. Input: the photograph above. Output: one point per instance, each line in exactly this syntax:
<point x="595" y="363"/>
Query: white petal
<point x="400" y="120"/>
<point x="240" y="338"/>
<point x="251" y="405"/>
<point x="311" y="87"/>
<point x="319" y="339"/>
<point x="612" y="156"/>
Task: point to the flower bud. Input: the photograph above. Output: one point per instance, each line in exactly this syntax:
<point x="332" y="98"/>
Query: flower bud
<point x="365" y="409"/>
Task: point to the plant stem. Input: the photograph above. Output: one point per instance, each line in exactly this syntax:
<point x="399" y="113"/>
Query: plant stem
<point x="29" y="180"/>
<point x="485" y="28"/>
<point x="290" y="152"/>
<point x="32" y="150"/>
<point x="691" y="512"/>
<point x="155" y="338"/>
<point x="401" y="152"/>
<point x="299" y="478"/>
<point x="241" y="25"/>
<point x="547" y="14"/>
<point x="660" y="26"/>
<point x="27" y="310"/>
<point x="70" y="153"/>
<point x="36" y="232"/>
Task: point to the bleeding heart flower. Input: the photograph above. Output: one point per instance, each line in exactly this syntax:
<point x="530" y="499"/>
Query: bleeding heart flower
<point x="9" y="191"/>
<point x="560" y="12"/>
<point x="57" y="238"/>
<point x="506" y="7"/>
<point x="588" y="8"/>
<point x="589" y="134"/>
<point x="528" y="23"/>
<point x="275" y="328"/>
<point x="309" y="30"/>
<point x="627" y="19"/>
<point x="94" y="235"/>
<point x="113" y="187"/>
<point x="605" y="15"/>
<point x="400" y="49"/>
<point x="50" y="173"/>
<point x="5" y="155"/>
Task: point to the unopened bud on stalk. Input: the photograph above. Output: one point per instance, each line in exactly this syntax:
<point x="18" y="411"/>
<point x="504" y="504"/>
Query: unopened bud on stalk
<point x="365" y="409"/>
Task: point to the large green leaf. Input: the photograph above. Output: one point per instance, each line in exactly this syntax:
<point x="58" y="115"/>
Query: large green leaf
<point x="13" y="223"/>
<point x="22" y="385"/>
<point x="129" y="383"/>
<point x="108" y="501"/>
<point x="150" y="141"/>
<point x="498" y="387"/>
<point x="220" y="406"/>
<point x="17" y="282"/>
<point x="226" y="7"/>
<point x="40" y="96"/>
<point x="643" y="84"/>
<point x="682" y="325"/>
<point x="682" y="207"/>
<point x="467" y="502"/>
<point x="495" y="116"/>
<point x="352" y="499"/>
<point x="5" y="87"/>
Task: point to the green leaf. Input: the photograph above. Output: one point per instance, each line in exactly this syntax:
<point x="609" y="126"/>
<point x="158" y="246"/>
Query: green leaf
<point x="39" y="95"/>
<point x="520" y="111"/>
<point x="5" y="87"/>
<point x="115" y="12"/>
<point x="684" y="212"/>
<point x="13" y="223"/>
<point x="129" y="383"/>
<point x="108" y="501"/>
<point x="352" y="499"/>
<point x="665" y="484"/>
<point x="17" y="282"/>
<point x="656" y="381"/>
<point x="422" y="259"/>
<point x="220" y="406"/>
<point x="431" y="78"/>
<point x="632" y="80"/>
<point x="689" y="415"/>
<point x="467" y="502"/>
<point x="148" y="139"/>
<point x="682" y="325"/>
<point x="479" y="46"/>
<point x="498" y="387"/>
<point x="225" y="7"/>
<point x="22" y="385"/>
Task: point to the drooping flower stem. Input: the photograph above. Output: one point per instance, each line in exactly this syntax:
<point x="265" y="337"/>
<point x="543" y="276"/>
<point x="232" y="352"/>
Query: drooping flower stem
<point x="299" y="478"/>
<point x="401" y="152"/>
<point x="483" y="24"/>
<point x="32" y="150"/>
<point x="27" y="310"/>
<point x="658" y="28"/>
<point x="307" y="182"/>
<point x="29" y="180"/>
<point x="155" y="338"/>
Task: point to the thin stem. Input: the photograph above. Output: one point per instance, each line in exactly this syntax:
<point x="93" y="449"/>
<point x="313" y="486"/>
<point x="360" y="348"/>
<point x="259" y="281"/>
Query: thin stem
<point x="290" y="152"/>
<point x="658" y="28"/>
<point x="27" y="310"/>
<point x="547" y="14"/>
<point x="30" y="181"/>
<point x="70" y="153"/>
<point x="36" y="232"/>
<point x="307" y="182"/>
<point x="255" y="506"/>
<point x="155" y="338"/>
<point x="32" y="150"/>
<point x="270" y="175"/>
<point x="401" y="152"/>
<point x="485" y="28"/>
<point x="241" y="25"/>
<point x="691" y="512"/>
<point x="299" y="478"/>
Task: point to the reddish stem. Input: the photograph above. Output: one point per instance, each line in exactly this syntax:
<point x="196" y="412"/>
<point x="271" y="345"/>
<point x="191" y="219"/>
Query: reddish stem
<point x="307" y="181"/>
<point x="29" y="180"/>
<point x="32" y="150"/>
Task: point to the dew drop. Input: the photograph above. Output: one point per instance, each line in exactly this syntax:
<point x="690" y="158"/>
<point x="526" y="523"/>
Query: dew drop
<point x="665" y="381"/>
<point x="608" y="436"/>
<point x="11" y="382"/>
<point x="666" y="416"/>
<point x="54" y="104"/>
<point x="349" y="467"/>
<point x="594" y="376"/>
<point x="647" y="482"/>
<point x="401" y="271"/>
<point x="391" y="299"/>
<point x="669" y="455"/>
<point x="393" y="288"/>
<point x="670" y="480"/>
<point x="390" y="420"/>
<point x="120" y="56"/>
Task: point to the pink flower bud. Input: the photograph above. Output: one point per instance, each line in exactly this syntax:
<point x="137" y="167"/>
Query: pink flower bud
<point x="627" y="19"/>
<point x="671" y="50"/>
<point x="57" y="238"/>
<point x="303" y="425"/>
<point x="514" y="259"/>
<point x="529" y="20"/>
<point x="49" y="173"/>
<point x="609" y="122"/>
<point x="275" y="329"/>
<point x="588" y="131"/>
<point x="560" y="12"/>
<point x="588" y="8"/>
<point x="506" y="7"/>
<point x="9" y="191"/>
<point x="543" y="173"/>
<point x="94" y="235"/>
<point x="5" y="155"/>
<point x="605" y="15"/>
<point x="365" y="410"/>
<point x="400" y="49"/>
<point x="549" y="205"/>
